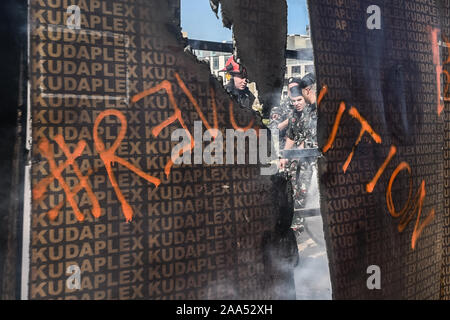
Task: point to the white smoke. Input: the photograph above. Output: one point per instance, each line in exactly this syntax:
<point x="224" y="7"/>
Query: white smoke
<point x="313" y="198"/>
<point x="312" y="275"/>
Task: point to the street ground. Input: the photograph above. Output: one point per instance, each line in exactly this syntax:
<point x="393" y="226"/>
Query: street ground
<point x="312" y="277"/>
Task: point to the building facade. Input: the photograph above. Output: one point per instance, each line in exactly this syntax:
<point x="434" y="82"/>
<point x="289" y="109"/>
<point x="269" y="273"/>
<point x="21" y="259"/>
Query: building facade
<point x="294" y="67"/>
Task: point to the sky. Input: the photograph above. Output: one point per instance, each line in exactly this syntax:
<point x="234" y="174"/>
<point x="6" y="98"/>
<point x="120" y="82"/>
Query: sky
<point x="200" y="22"/>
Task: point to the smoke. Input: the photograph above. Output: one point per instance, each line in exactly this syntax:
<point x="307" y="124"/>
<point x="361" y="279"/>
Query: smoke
<point x="301" y="54"/>
<point x="313" y="197"/>
<point x="312" y="275"/>
<point x="222" y="289"/>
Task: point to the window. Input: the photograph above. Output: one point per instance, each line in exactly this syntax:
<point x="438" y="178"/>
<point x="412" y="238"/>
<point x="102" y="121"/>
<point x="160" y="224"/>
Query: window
<point x="309" y="68"/>
<point x="296" y="69"/>
<point x="215" y="63"/>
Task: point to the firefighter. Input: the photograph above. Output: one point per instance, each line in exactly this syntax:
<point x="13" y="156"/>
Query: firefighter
<point x="237" y="86"/>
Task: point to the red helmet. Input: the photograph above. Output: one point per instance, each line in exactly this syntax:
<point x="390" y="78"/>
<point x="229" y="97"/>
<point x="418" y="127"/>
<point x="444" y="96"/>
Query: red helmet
<point x="234" y="68"/>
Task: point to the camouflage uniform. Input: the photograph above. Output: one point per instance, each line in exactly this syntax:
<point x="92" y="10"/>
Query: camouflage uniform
<point x="284" y="111"/>
<point x="302" y="128"/>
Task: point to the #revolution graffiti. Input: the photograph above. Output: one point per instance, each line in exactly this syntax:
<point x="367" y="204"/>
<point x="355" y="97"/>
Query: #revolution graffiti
<point x="109" y="156"/>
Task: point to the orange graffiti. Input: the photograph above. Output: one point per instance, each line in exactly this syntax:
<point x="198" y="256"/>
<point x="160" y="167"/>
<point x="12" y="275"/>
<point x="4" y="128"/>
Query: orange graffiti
<point x="437" y="63"/>
<point x="410" y="207"/>
<point x="197" y="107"/>
<point x="419" y="228"/>
<point x="365" y="127"/>
<point x="322" y="94"/>
<point x="56" y="173"/>
<point x="371" y="185"/>
<point x="389" y="201"/>
<point x="167" y="86"/>
<point x="447" y="86"/>
<point x="109" y="157"/>
<point x="54" y="212"/>
<point x="335" y="128"/>
<point x="447" y="74"/>
<point x="439" y="67"/>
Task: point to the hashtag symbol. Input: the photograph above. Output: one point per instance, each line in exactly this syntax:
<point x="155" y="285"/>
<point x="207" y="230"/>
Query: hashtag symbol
<point x="40" y="189"/>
